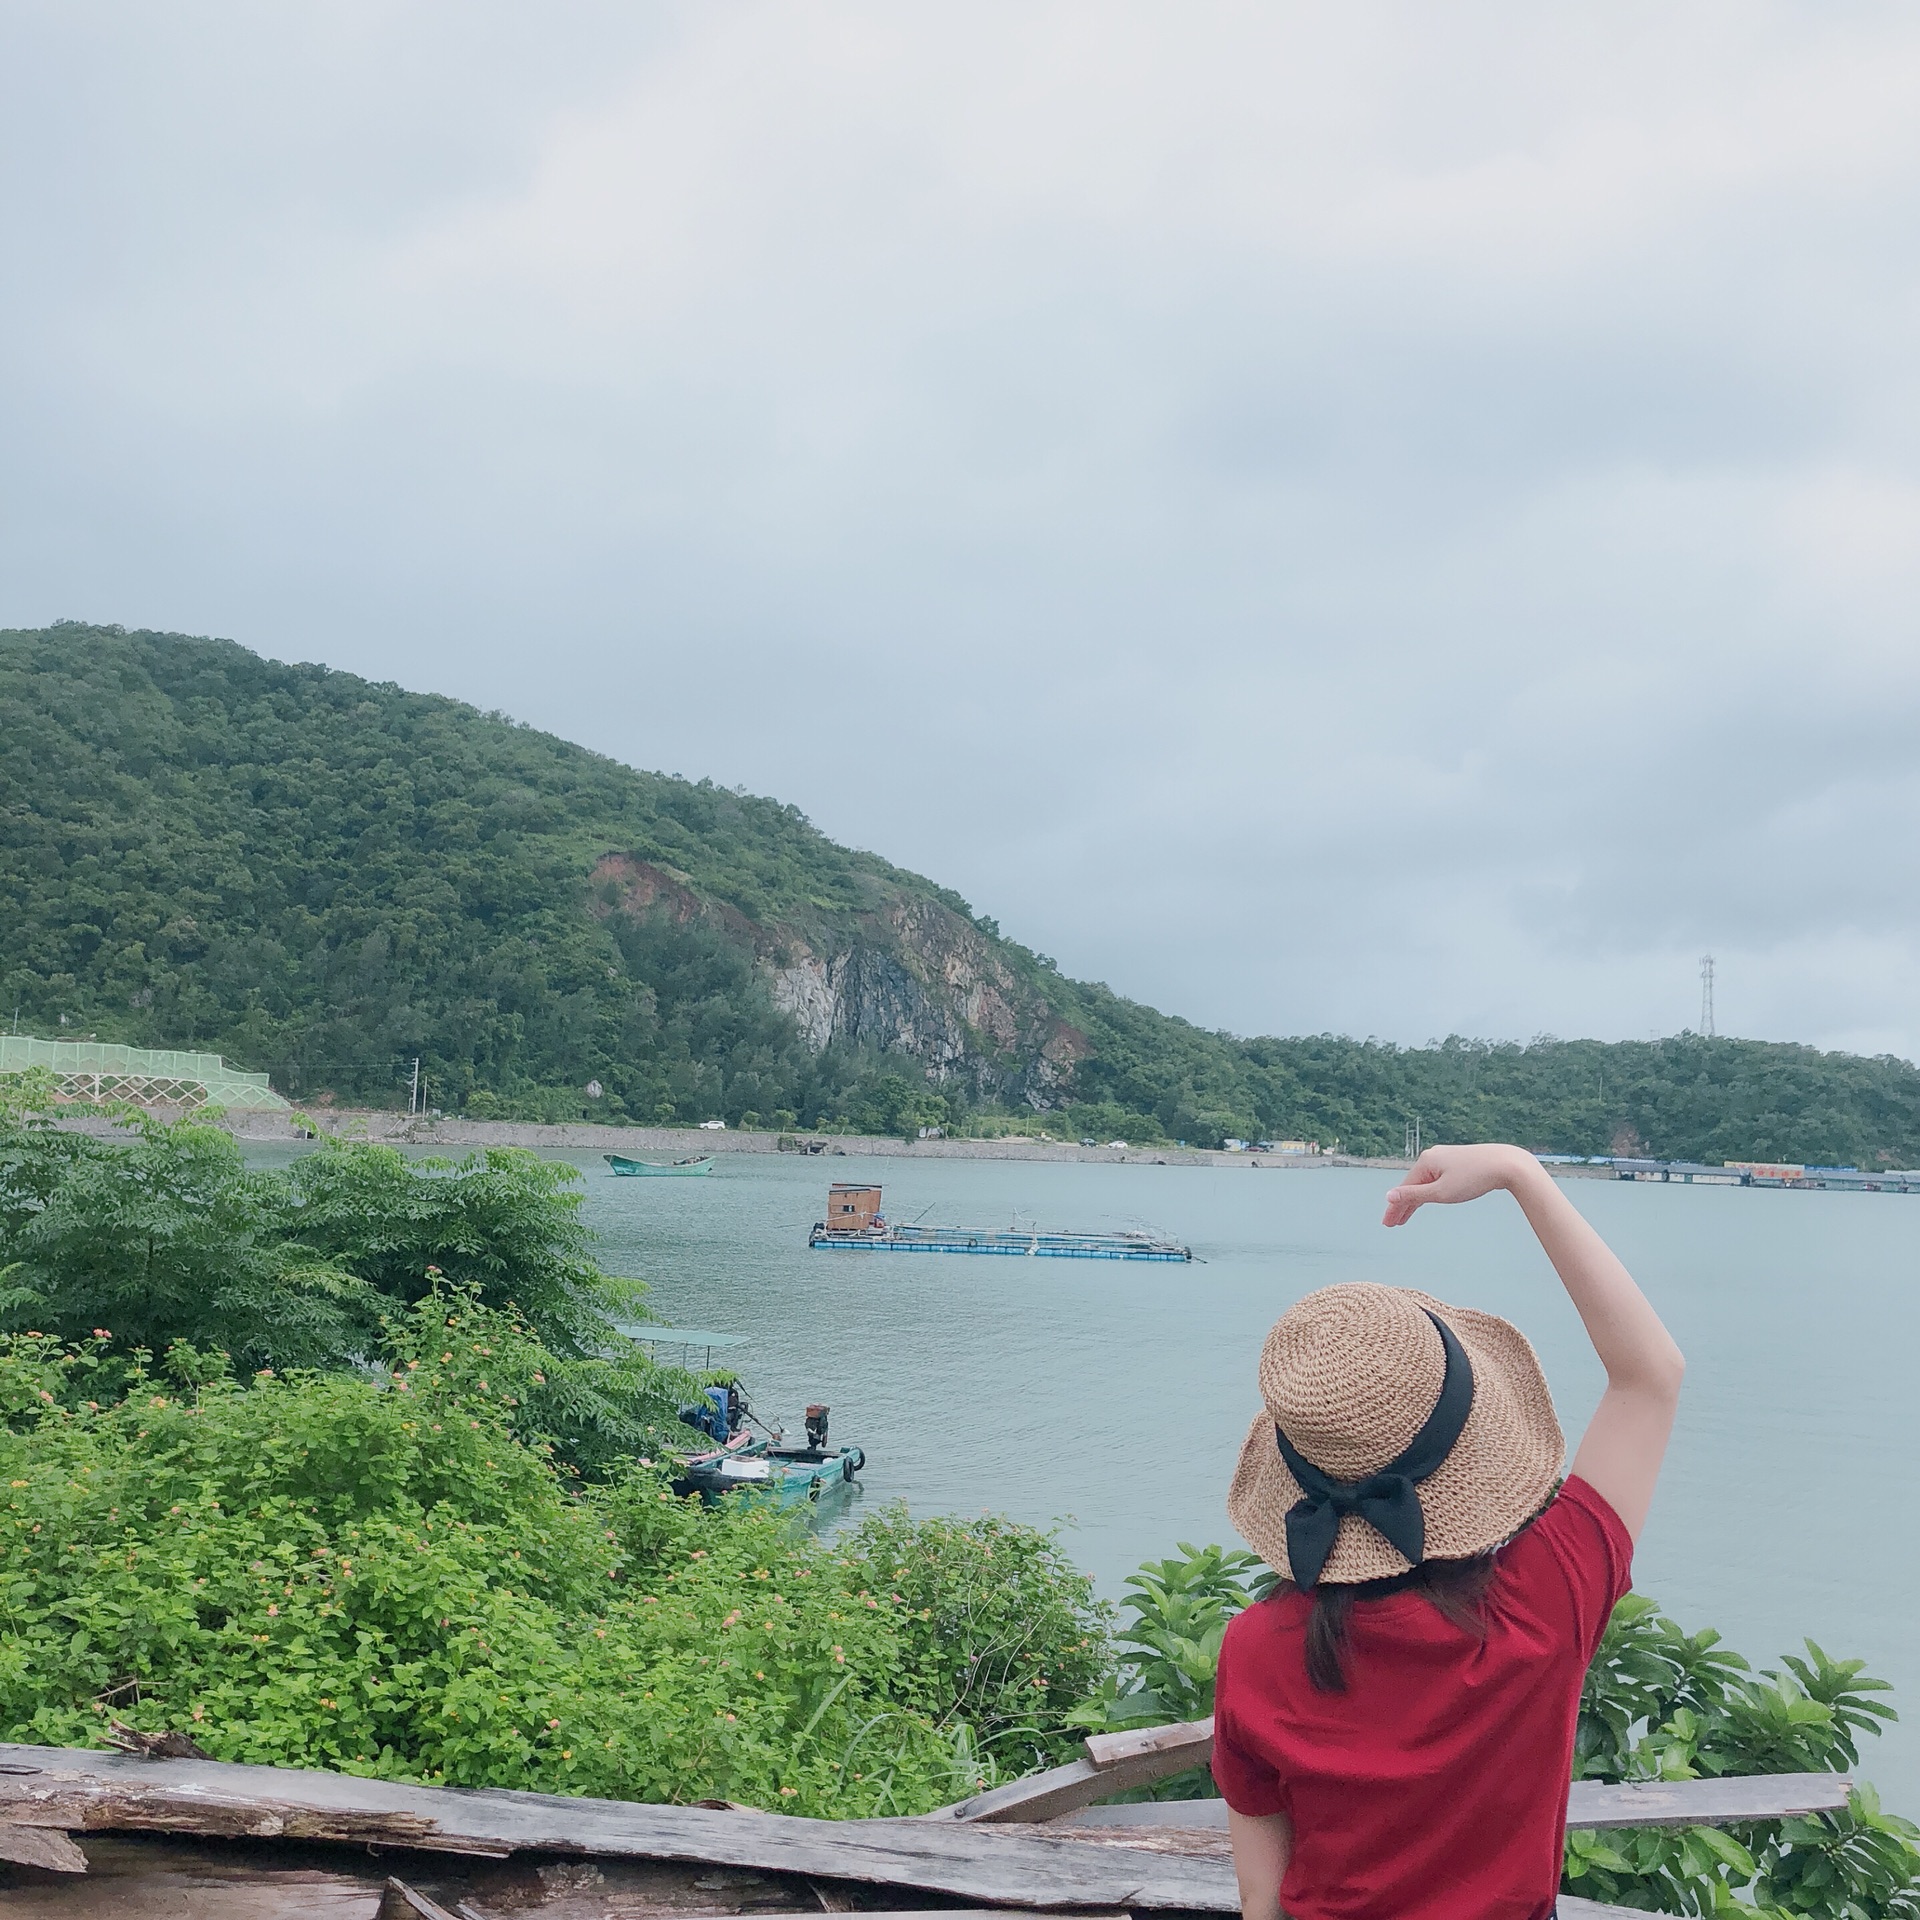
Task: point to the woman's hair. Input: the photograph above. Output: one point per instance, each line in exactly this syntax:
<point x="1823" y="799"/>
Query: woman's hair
<point x="1457" y="1589"/>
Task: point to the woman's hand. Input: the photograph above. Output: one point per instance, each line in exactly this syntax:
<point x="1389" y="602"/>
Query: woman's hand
<point x="1448" y="1175"/>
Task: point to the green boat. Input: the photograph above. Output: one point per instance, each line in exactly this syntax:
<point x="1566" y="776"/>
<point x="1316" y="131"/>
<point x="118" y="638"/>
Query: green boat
<point x="763" y="1466"/>
<point x="786" y="1476"/>
<point x="658" y="1170"/>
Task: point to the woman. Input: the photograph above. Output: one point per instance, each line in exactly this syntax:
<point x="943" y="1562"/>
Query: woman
<point x="1393" y="1728"/>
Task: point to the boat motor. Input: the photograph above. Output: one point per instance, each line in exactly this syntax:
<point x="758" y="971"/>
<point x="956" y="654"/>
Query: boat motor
<point x="817" y="1427"/>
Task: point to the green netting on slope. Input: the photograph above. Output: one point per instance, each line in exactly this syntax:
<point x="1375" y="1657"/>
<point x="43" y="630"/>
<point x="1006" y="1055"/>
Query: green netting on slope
<point x="94" y="1069"/>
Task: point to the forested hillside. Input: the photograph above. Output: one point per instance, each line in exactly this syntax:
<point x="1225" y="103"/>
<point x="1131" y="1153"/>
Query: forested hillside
<point x="324" y="877"/>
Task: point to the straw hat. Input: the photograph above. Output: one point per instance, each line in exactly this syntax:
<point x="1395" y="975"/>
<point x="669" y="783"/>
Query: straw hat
<point x="1350" y="1374"/>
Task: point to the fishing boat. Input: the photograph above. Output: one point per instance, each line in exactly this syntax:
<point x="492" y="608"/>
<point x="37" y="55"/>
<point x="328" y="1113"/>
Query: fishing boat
<point x="855" y="1224"/>
<point x="660" y="1170"/>
<point x="761" y="1466"/>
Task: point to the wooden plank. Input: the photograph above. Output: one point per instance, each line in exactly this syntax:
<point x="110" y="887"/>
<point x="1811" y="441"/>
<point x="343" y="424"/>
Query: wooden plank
<point x="1115" y="1763"/>
<point x="1194" y="1815"/>
<point x="167" y="1880"/>
<point x="1060" y="1790"/>
<point x="47" y="1848"/>
<point x="400" y="1902"/>
<point x="85" y="1791"/>
<point x="1705" y="1803"/>
<point x="164" y="1877"/>
<point x="1590" y="1803"/>
<point x="1569" y="1907"/>
<point x="1183" y="1743"/>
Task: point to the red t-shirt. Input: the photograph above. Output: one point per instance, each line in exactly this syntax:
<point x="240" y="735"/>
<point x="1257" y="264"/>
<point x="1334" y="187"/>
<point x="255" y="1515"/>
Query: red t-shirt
<point x="1435" y="1787"/>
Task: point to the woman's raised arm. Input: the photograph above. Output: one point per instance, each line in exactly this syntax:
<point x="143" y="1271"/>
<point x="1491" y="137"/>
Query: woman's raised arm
<point x="1619" y="1456"/>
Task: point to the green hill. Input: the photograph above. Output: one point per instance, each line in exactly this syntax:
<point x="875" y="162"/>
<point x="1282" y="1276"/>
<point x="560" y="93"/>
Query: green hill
<point x="323" y="876"/>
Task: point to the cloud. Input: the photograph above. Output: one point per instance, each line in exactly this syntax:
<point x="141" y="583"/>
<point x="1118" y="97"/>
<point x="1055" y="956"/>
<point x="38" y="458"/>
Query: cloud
<point x="1372" y="519"/>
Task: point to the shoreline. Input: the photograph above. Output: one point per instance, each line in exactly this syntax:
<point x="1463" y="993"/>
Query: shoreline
<point x="453" y="1132"/>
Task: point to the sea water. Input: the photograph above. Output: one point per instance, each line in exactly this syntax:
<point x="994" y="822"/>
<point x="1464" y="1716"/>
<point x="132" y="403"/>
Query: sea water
<point x="1111" y="1397"/>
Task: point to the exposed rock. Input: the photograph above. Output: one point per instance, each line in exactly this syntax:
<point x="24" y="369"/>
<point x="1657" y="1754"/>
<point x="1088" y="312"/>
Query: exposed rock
<point x="911" y="977"/>
<point x="806" y="989"/>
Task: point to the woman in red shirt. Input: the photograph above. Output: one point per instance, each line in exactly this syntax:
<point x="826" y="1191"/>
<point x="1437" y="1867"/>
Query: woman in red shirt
<point x="1393" y="1728"/>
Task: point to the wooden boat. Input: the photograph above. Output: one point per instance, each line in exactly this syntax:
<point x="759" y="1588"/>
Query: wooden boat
<point x="660" y="1170"/>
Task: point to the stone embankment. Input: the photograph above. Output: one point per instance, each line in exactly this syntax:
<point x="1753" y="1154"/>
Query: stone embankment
<point x="678" y="1142"/>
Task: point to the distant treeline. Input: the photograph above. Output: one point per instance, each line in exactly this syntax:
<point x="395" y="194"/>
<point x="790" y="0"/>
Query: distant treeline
<point x="1688" y="1097"/>
<point x="325" y="877"/>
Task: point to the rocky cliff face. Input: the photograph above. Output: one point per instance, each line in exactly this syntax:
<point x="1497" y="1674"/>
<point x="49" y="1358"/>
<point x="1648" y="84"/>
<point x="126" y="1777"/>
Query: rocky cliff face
<point x="911" y="976"/>
<point x="922" y="980"/>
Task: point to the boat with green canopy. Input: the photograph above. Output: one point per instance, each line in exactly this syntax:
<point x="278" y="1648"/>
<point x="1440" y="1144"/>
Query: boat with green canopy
<point x="658" y="1169"/>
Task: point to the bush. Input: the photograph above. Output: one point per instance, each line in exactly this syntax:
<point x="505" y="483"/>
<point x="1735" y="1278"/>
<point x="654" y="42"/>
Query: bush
<point x="1662" y="1704"/>
<point x="1001" y="1635"/>
<point x="389" y="1574"/>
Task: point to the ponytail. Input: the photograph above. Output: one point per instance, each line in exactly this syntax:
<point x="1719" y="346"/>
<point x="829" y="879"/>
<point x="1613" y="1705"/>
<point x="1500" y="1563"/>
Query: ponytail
<point x="1457" y="1590"/>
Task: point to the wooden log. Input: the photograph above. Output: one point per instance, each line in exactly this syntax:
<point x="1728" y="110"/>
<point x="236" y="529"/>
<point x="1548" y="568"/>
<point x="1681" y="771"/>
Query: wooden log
<point x="85" y="1791"/>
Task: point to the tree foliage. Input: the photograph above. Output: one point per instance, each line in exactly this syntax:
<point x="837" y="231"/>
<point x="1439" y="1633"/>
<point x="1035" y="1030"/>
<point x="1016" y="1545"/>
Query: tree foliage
<point x="325" y="877"/>
<point x="169" y="1237"/>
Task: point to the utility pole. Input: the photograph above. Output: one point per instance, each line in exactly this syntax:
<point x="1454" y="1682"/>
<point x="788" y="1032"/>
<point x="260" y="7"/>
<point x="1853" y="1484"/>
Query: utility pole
<point x="413" y="1095"/>
<point x="1413" y="1138"/>
<point x="1706" y="994"/>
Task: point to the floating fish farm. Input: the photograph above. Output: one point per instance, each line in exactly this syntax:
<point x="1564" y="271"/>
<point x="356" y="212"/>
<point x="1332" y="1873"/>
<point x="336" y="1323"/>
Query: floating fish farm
<point x="855" y="1224"/>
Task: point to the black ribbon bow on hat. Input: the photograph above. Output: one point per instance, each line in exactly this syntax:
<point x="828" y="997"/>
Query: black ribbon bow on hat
<point x="1387" y="1500"/>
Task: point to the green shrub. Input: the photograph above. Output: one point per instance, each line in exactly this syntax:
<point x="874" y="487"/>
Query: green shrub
<point x="388" y="1574"/>
<point x="1662" y="1704"/>
<point x="1170" y="1650"/>
<point x="1001" y="1633"/>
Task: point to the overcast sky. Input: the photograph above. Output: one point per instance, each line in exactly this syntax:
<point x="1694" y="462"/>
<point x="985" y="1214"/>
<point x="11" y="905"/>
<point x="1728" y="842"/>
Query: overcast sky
<point x="1389" y="518"/>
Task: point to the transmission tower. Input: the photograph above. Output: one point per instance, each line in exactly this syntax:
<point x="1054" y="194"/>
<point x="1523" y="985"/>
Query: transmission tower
<point x="1706" y="994"/>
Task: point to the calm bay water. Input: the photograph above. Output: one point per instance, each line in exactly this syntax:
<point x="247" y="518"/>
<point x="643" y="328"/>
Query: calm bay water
<point x="1112" y="1396"/>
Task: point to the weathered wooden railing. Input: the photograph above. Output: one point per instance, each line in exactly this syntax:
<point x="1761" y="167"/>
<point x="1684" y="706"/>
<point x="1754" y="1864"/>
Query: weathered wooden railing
<point x="1038" y="1845"/>
<point x="1116" y="1762"/>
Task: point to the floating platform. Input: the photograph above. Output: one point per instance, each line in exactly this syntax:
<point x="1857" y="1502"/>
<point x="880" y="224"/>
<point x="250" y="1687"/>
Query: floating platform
<point x="855" y="1224"/>
<point x="1041" y="1246"/>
